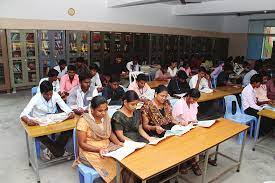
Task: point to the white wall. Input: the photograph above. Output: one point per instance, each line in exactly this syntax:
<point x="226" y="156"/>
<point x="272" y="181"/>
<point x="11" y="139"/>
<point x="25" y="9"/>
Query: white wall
<point x="97" y="11"/>
<point x="239" y="24"/>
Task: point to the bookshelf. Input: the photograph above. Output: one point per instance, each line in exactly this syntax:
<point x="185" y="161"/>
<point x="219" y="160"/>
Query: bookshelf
<point x="156" y="48"/>
<point x="4" y="65"/>
<point x="23" y="58"/>
<point x="170" y="47"/>
<point x="77" y="45"/>
<point x="51" y="49"/>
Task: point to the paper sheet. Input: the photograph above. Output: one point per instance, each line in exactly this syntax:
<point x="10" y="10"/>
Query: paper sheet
<point x="270" y="107"/>
<point x="149" y="94"/>
<point x="128" y="148"/>
<point x="206" y="90"/>
<point x="156" y="140"/>
<point x="51" y="119"/>
<point x="178" y="130"/>
<point x="206" y="123"/>
<point x="180" y="95"/>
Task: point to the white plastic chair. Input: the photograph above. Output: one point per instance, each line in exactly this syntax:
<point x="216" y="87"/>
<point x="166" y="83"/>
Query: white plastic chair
<point x="134" y="75"/>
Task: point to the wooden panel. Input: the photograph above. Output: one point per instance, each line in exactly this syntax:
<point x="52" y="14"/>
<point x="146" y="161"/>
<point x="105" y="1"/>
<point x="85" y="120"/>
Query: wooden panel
<point x="151" y="160"/>
<point x="4" y="64"/>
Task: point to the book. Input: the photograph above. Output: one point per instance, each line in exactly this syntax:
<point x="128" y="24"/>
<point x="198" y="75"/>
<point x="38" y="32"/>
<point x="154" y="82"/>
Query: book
<point x="51" y="119"/>
<point x="128" y="148"/>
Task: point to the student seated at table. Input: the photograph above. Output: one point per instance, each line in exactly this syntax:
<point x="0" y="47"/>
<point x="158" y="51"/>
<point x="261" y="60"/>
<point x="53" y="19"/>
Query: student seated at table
<point x="247" y="76"/>
<point x="61" y="68"/>
<point x="178" y="84"/>
<point x="69" y="80"/>
<point x="261" y="92"/>
<point x="201" y="80"/>
<point x="44" y="103"/>
<point x="140" y="86"/>
<point x="81" y="95"/>
<point x="52" y="78"/>
<point x="270" y="87"/>
<point x="186" y="110"/>
<point x="252" y="106"/>
<point x="133" y="65"/>
<point x="113" y="91"/>
<point x="217" y="70"/>
<point x="207" y="63"/>
<point x="186" y="68"/>
<point x="118" y="68"/>
<point x="223" y="77"/>
<point x="157" y="114"/>
<point x="95" y="81"/>
<point x="81" y="65"/>
<point x="95" y="138"/>
<point x="126" y="122"/>
<point x="162" y="74"/>
<point x="105" y="79"/>
<point x="172" y="69"/>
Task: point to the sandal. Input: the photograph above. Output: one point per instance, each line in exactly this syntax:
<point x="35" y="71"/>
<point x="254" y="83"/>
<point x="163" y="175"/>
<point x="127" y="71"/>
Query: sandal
<point x="196" y="169"/>
<point x="212" y="162"/>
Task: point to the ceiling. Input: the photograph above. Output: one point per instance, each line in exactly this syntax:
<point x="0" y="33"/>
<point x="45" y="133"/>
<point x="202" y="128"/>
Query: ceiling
<point x="204" y="7"/>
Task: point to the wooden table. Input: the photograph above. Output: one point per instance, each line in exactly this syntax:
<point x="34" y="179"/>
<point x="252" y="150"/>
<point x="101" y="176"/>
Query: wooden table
<point x="230" y="89"/>
<point x="33" y="132"/>
<point x="171" y="152"/>
<point x="217" y="94"/>
<point x="269" y="114"/>
<point x="154" y="84"/>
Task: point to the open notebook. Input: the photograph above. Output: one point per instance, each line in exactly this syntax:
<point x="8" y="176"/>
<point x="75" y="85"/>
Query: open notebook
<point x="51" y="119"/>
<point x="128" y="148"/>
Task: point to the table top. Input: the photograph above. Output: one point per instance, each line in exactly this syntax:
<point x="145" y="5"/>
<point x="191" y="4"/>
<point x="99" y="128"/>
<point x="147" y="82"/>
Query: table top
<point x="267" y="113"/>
<point x="151" y="160"/>
<point x="230" y="89"/>
<point x="213" y="96"/>
<point x="154" y="84"/>
<point x="37" y="131"/>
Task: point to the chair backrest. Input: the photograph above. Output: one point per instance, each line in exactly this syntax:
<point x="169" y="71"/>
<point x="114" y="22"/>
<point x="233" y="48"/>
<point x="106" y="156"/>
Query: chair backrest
<point x="124" y="88"/>
<point x="229" y="105"/>
<point x="134" y="75"/>
<point x="75" y="144"/>
<point x="34" y="90"/>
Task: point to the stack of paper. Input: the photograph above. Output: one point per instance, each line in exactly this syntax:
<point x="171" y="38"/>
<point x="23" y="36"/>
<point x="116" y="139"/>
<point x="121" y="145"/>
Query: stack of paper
<point x="178" y="130"/>
<point x="128" y="148"/>
<point x="206" y="123"/>
<point x="206" y="90"/>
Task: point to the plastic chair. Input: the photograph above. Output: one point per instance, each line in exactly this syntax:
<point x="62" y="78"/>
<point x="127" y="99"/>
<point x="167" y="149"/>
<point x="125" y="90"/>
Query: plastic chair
<point x="34" y="90"/>
<point x="134" y="75"/>
<point x="86" y="174"/>
<point x="238" y="116"/>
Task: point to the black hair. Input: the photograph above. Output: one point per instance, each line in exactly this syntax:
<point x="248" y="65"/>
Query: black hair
<point x="263" y="74"/>
<point x="84" y="75"/>
<point x="182" y="74"/>
<point x="161" y="88"/>
<point x="228" y="67"/>
<point x="46" y="86"/>
<point x="118" y="56"/>
<point x="80" y="59"/>
<point x="164" y="66"/>
<point x="141" y="77"/>
<point x="71" y="68"/>
<point x="52" y="72"/>
<point x="94" y="66"/>
<point x="136" y="58"/>
<point x="114" y="78"/>
<point x="130" y="96"/>
<point x="97" y="101"/>
<point x="62" y="61"/>
<point x="256" y="78"/>
<point x="194" y="93"/>
<point x="258" y="65"/>
<point x="202" y="69"/>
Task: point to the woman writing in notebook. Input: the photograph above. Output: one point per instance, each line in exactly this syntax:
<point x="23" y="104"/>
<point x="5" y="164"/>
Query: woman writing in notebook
<point x="157" y="114"/>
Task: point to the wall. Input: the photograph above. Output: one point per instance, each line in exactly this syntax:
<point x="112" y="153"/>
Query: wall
<point x="96" y="11"/>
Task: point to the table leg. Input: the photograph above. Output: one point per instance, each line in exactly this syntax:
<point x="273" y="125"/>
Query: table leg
<point x="216" y="153"/>
<point x="241" y="153"/>
<point x="257" y="132"/>
<point x="118" y="170"/>
<point x="205" y="166"/>
<point x="28" y="148"/>
<point x="35" y="160"/>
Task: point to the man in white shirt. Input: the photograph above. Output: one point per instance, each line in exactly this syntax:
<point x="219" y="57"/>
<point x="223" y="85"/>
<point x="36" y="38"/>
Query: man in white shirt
<point x="61" y="68"/>
<point x="44" y="103"/>
<point x="250" y="103"/>
<point x="172" y="69"/>
<point x="140" y="86"/>
<point x="133" y="65"/>
<point x="95" y="80"/>
<point x="52" y="78"/>
<point x="201" y="80"/>
<point x="81" y="95"/>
